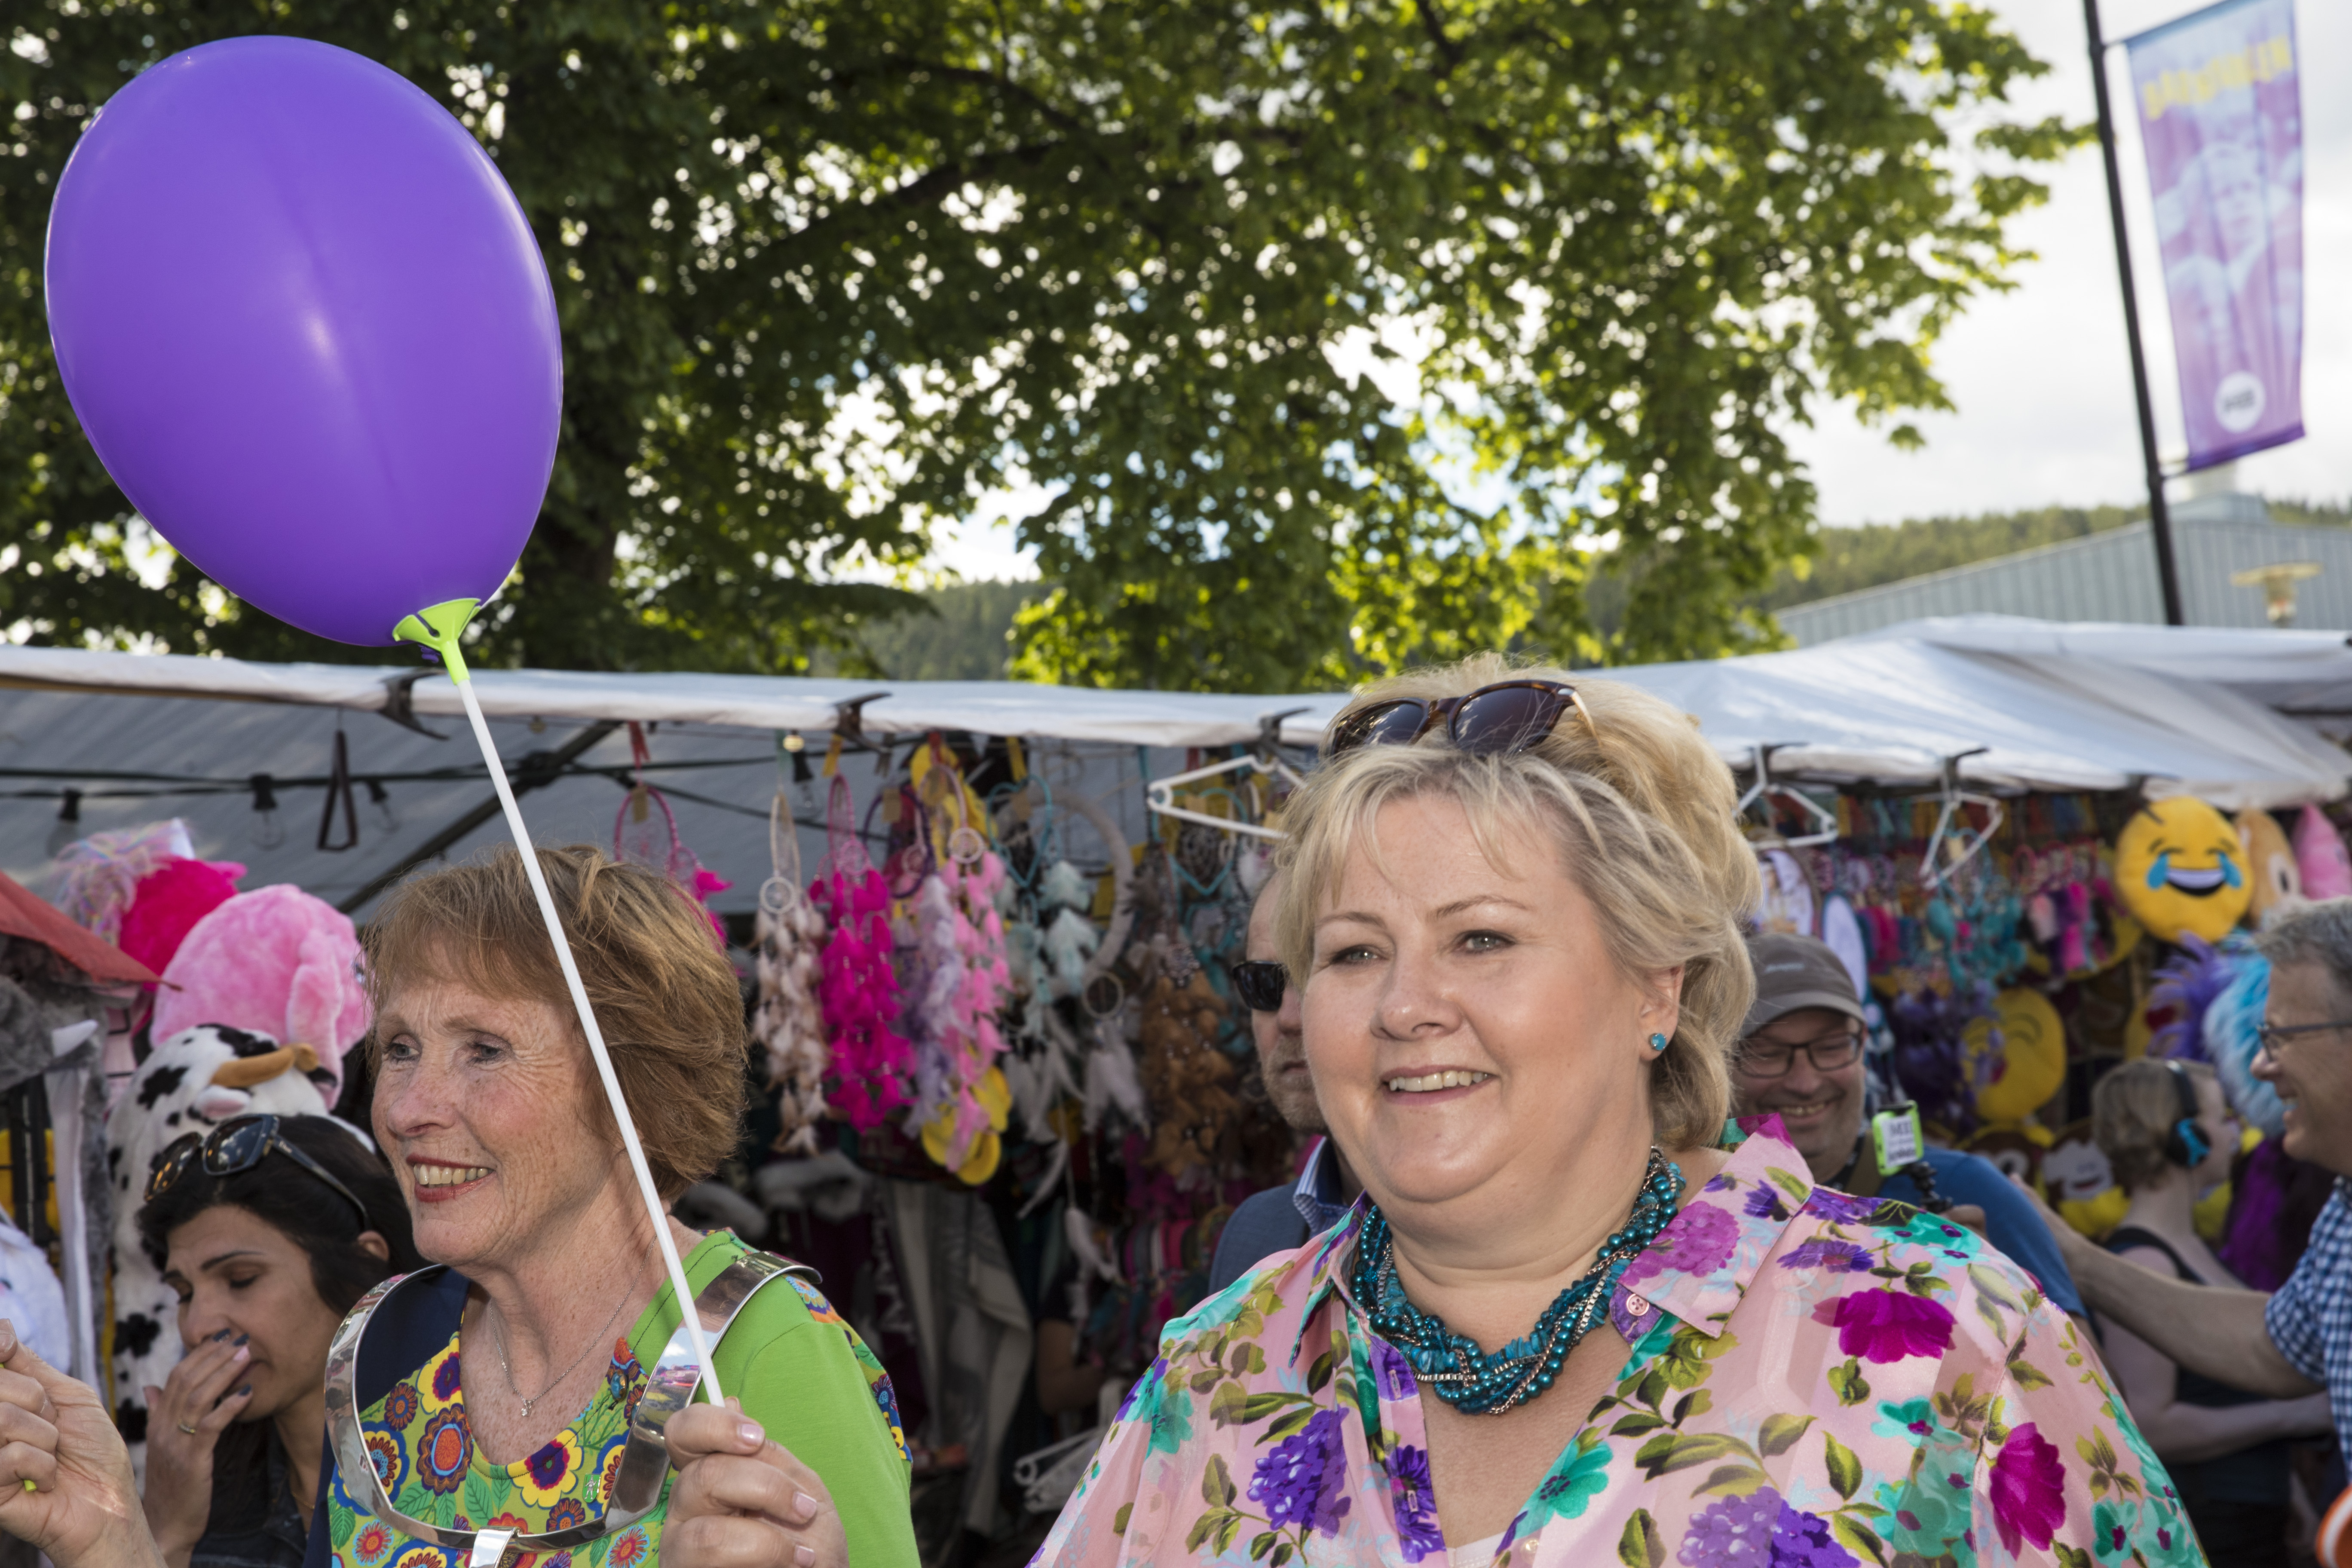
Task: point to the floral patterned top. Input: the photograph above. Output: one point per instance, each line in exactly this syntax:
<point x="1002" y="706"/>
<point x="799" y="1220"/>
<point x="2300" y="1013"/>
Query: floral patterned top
<point x="423" y="1449"/>
<point x="1816" y="1380"/>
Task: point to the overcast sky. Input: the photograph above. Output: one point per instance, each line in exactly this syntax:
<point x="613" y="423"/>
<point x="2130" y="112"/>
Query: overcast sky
<point x="2041" y="375"/>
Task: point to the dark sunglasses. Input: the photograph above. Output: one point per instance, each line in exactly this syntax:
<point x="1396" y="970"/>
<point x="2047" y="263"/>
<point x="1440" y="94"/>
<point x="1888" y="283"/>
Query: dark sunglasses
<point x="1508" y="715"/>
<point x="236" y="1145"/>
<point x="1260" y="984"/>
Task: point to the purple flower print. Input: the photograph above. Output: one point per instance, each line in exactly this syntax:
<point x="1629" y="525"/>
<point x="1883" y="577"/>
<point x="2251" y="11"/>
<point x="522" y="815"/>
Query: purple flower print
<point x="1840" y="1208"/>
<point x="1800" y="1540"/>
<point x="1887" y="1325"/>
<point x="2028" y="1490"/>
<point x="1760" y="1531"/>
<point x="1304" y="1482"/>
<point x="1699" y="1240"/>
<point x="1827" y="1254"/>
<point x="1721" y="1182"/>
<point x="1733" y="1532"/>
<point x="1391" y="1372"/>
<point x="1416" y="1505"/>
<point x="1765" y="1203"/>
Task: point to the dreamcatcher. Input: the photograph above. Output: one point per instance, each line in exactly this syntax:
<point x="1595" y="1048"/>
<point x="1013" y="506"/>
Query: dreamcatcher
<point x="788" y="1021"/>
<point x="857" y="987"/>
<point x="645" y="832"/>
<point x="961" y="975"/>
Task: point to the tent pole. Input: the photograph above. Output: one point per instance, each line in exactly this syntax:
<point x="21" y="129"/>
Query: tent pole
<point x="537" y="769"/>
<point x="2159" y="517"/>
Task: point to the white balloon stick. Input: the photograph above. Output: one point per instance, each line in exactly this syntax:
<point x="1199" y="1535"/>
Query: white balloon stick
<point x="427" y="630"/>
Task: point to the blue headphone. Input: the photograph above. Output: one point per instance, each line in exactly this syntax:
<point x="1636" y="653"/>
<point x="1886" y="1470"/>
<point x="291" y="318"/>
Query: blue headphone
<point x="2185" y="1145"/>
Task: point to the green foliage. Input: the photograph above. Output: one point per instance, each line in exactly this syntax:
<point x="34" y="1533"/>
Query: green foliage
<point x="829" y="270"/>
<point x="961" y="632"/>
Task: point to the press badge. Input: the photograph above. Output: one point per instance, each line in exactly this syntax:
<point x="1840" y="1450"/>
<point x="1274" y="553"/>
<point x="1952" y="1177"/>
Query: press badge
<point x="1896" y="1136"/>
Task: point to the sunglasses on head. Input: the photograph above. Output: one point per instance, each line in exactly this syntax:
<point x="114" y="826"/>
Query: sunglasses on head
<point x="1508" y="715"/>
<point x="238" y="1144"/>
<point x="1260" y="984"/>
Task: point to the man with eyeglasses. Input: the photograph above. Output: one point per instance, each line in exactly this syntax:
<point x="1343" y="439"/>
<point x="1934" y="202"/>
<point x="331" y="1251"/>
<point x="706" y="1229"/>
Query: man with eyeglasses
<point x="1280" y="1218"/>
<point x="1801" y="1059"/>
<point x="2298" y="1340"/>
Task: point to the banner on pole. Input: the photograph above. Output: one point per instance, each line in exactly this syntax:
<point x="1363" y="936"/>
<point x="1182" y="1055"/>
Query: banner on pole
<point x="2221" y="117"/>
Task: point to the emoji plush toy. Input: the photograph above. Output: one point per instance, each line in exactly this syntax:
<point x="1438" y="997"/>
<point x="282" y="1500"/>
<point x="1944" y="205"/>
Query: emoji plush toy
<point x="2179" y="870"/>
<point x="2270" y="862"/>
<point x="2016" y="1054"/>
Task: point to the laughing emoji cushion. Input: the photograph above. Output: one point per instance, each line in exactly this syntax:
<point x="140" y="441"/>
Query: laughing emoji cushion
<point x="2180" y="870"/>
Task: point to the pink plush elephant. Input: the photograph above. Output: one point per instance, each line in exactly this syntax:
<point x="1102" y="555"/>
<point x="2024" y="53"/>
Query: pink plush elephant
<point x="274" y="960"/>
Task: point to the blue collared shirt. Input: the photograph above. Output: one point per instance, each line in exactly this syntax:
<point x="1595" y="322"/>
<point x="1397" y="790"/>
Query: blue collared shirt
<point x="1316" y="1197"/>
<point x="2310" y="1317"/>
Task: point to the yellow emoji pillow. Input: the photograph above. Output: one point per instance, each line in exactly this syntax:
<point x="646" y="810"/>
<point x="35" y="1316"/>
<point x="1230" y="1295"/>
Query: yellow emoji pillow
<point x="2180" y="870"/>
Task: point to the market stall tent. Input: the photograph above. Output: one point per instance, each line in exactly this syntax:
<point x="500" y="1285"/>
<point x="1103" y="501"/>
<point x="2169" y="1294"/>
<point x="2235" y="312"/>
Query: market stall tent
<point x="2022" y="705"/>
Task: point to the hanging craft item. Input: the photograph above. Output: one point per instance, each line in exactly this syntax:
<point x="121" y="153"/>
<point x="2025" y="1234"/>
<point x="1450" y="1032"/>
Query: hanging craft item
<point x="1788" y="903"/>
<point x="2016" y="1055"/>
<point x="2232" y="1037"/>
<point x="788" y="1023"/>
<point x="1041" y="1061"/>
<point x="2269" y="866"/>
<point x="2320" y="855"/>
<point x="2180" y="870"/>
<point x="2082" y="1184"/>
<point x="1930" y="1061"/>
<point x="645" y="832"/>
<point x="872" y="1065"/>
<point x="1187" y="1080"/>
<point x="962" y="1096"/>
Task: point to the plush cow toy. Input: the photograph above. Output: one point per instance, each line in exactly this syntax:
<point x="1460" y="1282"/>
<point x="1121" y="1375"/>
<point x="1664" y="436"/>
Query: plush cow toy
<point x="192" y="1082"/>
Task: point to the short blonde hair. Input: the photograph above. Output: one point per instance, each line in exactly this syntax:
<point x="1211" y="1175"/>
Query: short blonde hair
<point x="666" y="997"/>
<point x="2134" y="1109"/>
<point x="1640" y="811"/>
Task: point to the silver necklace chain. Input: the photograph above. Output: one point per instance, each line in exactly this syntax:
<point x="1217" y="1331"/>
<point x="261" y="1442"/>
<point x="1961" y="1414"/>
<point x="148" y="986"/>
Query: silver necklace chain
<point x="499" y="1337"/>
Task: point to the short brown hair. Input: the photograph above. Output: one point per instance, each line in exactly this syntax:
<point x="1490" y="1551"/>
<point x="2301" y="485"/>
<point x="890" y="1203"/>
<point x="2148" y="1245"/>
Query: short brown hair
<point x="1640" y="809"/>
<point x="666" y="997"/>
<point x="2133" y="1111"/>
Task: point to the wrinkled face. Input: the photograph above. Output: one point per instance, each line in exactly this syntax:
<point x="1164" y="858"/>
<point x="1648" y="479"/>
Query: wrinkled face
<point x="1281" y="1049"/>
<point x="1821" y="1110"/>
<point x="2313" y="1072"/>
<point x="2179" y="868"/>
<point x="1471" y="1038"/>
<point x="482" y="1102"/>
<point x="234" y="1271"/>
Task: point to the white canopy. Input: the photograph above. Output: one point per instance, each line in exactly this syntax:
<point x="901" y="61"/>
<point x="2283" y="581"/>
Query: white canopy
<point x="2021" y="704"/>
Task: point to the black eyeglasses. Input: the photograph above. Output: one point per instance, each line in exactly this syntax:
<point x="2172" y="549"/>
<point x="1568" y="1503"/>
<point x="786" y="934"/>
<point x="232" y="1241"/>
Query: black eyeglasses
<point x="1508" y="715"/>
<point x="1773" y="1059"/>
<point x="2273" y="1036"/>
<point x="236" y="1145"/>
<point x="1260" y="984"/>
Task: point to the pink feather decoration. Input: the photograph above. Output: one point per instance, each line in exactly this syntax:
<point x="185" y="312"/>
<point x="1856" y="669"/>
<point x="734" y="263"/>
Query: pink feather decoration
<point x="858" y="991"/>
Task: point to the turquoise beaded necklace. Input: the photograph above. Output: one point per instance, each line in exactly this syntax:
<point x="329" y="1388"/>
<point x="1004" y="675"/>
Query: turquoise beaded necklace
<point x="1479" y="1382"/>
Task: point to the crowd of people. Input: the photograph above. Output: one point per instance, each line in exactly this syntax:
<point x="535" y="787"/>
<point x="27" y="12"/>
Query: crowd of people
<point x="1600" y="1252"/>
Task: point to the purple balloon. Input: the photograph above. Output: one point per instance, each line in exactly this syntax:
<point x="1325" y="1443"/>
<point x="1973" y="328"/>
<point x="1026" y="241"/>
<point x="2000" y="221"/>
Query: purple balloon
<point x="308" y="332"/>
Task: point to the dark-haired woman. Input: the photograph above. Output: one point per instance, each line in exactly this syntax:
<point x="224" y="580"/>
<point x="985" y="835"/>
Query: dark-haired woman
<point x="269" y="1230"/>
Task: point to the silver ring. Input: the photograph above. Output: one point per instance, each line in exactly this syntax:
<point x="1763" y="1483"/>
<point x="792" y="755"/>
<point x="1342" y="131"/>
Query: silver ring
<point x="186" y="1428"/>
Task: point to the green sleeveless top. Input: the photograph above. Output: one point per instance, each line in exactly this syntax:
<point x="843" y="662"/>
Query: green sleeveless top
<point x="799" y="1369"/>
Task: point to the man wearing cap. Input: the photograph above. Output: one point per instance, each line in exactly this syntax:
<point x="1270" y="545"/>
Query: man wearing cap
<point x="1801" y="1059"/>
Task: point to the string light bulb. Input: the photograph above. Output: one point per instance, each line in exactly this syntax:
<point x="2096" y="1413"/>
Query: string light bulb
<point x="67" y="827"/>
<point x="269" y="831"/>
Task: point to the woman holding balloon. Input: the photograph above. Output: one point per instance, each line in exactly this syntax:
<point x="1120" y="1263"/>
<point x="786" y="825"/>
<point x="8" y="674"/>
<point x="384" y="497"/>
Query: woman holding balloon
<point x="337" y="390"/>
<point x="513" y="1388"/>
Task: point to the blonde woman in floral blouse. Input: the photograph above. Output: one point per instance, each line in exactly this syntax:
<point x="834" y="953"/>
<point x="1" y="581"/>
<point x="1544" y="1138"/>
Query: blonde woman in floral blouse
<point x="1567" y="1325"/>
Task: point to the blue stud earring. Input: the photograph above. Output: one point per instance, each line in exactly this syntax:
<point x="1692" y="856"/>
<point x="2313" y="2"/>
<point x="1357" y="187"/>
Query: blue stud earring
<point x="1657" y="1042"/>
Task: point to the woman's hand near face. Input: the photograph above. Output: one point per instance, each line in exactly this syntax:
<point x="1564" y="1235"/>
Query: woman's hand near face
<point x="743" y="1502"/>
<point x="206" y="1390"/>
<point x="82" y="1510"/>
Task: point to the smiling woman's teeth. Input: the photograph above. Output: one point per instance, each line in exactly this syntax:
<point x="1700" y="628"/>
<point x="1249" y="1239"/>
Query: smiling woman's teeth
<point x="448" y="1176"/>
<point x="1428" y="1081"/>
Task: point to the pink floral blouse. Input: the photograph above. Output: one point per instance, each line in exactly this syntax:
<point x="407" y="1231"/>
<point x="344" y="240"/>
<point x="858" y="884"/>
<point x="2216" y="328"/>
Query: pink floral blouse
<point x="1817" y="1381"/>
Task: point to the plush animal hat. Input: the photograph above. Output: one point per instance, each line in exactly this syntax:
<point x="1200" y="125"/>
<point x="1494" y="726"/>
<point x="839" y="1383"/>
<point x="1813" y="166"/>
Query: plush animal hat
<point x="274" y="962"/>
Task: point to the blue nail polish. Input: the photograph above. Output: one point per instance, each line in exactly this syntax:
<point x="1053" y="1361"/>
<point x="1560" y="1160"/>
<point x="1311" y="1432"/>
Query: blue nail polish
<point x="218" y="1337"/>
<point x="241" y="1337"/>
